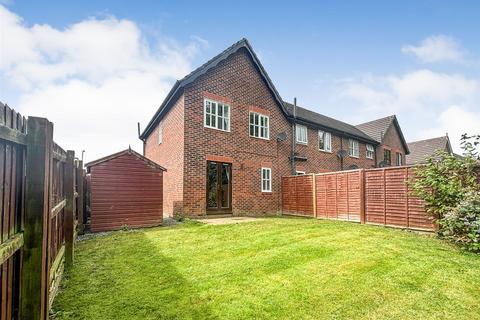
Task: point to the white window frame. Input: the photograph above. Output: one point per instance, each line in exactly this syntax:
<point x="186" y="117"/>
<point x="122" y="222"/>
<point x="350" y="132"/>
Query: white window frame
<point x="370" y="153"/>
<point x="353" y="148"/>
<point x="267" y="186"/>
<point x="327" y="141"/>
<point x="258" y="126"/>
<point x="399" y="159"/>
<point x="299" y="127"/>
<point x="160" y="133"/>
<point x="214" y="115"/>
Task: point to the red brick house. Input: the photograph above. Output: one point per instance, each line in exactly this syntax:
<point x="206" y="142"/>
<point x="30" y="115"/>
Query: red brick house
<point x="392" y="147"/>
<point x="226" y="138"/>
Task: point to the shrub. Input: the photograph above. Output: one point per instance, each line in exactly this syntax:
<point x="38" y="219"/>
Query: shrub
<point x="443" y="182"/>
<point x="462" y="224"/>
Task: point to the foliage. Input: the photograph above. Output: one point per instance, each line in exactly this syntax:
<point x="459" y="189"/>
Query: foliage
<point x="276" y="268"/>
<point x="471" y="145"/>
<point x="443" y="182"/>
<point x="462" y="224"/>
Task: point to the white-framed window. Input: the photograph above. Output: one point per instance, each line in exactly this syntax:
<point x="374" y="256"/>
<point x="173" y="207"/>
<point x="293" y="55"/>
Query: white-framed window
<point x="300" y="173"/>
<point x="216" y="115"/>
<point x="399" y="159"/>
<point x="259" y="125"/>
<point x="370" y="151"/>
<point x="160" y="133"/>
<point x="266" y="180"/>
<point x="353" y="148"/>
<point x="301" y="134"/>
<point x="324" y="141"/>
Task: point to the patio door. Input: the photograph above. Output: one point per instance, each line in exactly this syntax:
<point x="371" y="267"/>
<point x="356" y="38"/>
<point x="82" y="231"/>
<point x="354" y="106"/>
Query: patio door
<point x="219" y="187"/>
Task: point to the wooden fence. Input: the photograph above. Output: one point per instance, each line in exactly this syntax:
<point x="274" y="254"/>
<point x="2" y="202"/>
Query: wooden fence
<point x="374" y="196"/>
<point x="40" y="188"/>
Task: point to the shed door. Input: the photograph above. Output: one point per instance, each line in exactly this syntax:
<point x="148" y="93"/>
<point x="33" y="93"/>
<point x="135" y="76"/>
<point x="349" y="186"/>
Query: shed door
<point x="219" y="187"/>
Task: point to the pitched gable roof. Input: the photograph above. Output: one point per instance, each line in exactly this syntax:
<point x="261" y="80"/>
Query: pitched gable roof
<point x="121" y="153"/>
<point x="422" y="149"/>
<point x="327" y="123"/>
<point x="177" y="88"/>
<point x="377" y="129"/>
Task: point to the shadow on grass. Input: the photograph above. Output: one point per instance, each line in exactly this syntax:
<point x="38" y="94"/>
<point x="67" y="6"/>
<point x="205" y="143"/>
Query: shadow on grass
<point x="127" y="277"/>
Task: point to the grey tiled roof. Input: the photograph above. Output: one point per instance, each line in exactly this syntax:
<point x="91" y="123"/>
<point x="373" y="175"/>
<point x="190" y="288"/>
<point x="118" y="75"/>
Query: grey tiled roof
<point x="376" y="128"/>
<point x="327" y="122"/>
<point x="420" y="150"/>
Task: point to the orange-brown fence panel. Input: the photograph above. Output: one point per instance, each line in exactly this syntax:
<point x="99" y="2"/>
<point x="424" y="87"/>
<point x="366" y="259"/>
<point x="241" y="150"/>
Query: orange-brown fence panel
<point x="388" y="199"/>
<point x="374" y="196"/>
<point x="338" y="195"/>
<point x="297" y="195"/>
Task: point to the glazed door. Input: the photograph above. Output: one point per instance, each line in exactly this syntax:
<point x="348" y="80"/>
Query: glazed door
<point x="219" y="187"/>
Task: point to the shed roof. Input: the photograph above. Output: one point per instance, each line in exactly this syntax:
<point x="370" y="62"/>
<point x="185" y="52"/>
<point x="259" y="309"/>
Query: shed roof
<point x="121" y="153"/>
<point x="422" y="149"/>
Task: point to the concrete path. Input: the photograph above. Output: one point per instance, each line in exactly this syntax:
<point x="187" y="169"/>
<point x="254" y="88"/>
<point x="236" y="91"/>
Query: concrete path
<point x="228" y="220"/>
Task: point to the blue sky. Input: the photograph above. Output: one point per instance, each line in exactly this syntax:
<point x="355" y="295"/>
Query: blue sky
<point x="353" y="60"/>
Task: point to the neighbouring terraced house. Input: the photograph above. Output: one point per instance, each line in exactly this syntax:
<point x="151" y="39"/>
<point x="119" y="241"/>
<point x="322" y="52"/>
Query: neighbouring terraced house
<point x="226" y="138"/>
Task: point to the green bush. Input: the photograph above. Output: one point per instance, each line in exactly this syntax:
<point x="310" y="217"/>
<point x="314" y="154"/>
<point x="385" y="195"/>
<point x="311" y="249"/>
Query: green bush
<point x="462" y="224"/>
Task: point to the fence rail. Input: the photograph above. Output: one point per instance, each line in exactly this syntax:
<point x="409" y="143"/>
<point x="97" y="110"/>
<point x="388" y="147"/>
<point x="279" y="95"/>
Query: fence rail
<point x="38" y="214"/>
<point x="374" y="196"/>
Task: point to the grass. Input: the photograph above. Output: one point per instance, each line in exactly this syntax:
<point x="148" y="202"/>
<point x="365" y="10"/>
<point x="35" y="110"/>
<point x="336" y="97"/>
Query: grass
<point x="283" y="268"/>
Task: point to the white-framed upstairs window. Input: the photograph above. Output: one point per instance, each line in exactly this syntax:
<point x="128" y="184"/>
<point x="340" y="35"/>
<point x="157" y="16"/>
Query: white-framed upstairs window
<point x="259" y="125"/>
<point x="301" y="134"/>
<point x="324" y="141"/>
<point x="353" y="150"/>
<point x="160" y="133"/>
<point x="216" y="115"/>
<point x="266" y="180"/>
<point x="370" y="151"/>
<point x="399" y="159"/>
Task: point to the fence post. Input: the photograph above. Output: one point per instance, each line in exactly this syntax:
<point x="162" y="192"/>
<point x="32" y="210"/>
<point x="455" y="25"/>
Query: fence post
<point x="80" y="176"/>
<point x="314" y="193"/>
<point x="69" y="220"/>
<point x="362" y="196"/>
<point x="34" y="286"/>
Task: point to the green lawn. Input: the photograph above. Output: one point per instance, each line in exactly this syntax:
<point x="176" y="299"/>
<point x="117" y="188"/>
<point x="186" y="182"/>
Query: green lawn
<point x="285" y="268"/>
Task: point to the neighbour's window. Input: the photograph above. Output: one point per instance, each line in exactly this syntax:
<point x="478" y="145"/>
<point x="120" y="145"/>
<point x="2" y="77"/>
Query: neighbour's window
<point x="324" y="141"/>
<point x="160" y="134"/>
<point x="266" y="180"/>
<point x="259" y="126"/>
<point x="216" y="115"/>
<point x="300" y="173"/>
<point x="301" y="134"/>
<point x="370" y="151"/>
<point x="399" y="159"/>
<point x="353" y="148"/>
<point x="387" y="156"/>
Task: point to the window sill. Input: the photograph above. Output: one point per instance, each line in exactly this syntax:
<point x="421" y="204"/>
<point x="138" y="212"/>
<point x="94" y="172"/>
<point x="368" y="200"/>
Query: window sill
<point x="260" y="138"/>
<point x="216" y="129"/>
<point x="266" y="192"/>
<point x="355" y="157"/>
<point x="325" y="151"/>
<point x="302" y="143"/>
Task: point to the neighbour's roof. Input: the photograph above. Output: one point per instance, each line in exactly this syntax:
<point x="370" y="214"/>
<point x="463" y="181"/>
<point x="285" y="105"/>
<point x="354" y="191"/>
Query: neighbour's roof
<point x="177" y="89"/>
<point x="328" y="123"/>
<point x="377" y="129"/>
<point x="121" y="153"/>
<point x="421" y="150"/>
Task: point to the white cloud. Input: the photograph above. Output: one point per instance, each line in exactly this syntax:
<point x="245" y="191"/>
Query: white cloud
<point x="436" y="49"/>
<point x="94" y="79"/>
<point x="428" y="103"/>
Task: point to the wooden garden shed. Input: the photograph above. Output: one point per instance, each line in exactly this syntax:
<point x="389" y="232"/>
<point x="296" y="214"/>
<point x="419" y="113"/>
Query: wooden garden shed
<point x="126" y="190"/>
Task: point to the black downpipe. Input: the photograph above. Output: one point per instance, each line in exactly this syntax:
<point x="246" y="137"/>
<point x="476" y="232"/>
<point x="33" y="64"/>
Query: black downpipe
<point x="294" y="138"/>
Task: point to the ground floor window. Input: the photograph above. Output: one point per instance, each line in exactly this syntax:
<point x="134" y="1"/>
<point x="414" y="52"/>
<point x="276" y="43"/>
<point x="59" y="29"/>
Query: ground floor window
<point x="266" y="180"/>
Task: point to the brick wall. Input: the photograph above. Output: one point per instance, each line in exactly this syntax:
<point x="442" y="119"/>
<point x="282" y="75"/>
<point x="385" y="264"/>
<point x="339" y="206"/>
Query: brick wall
<point x="170" y="155"/>
<point x="321" y="161"/>
<point x="236" y="81"/>
<point x="392" y="142"/>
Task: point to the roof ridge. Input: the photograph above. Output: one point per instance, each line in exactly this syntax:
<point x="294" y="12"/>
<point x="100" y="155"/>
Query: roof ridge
<point x="392" y="116"/>
<point x="434" y="138"/>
